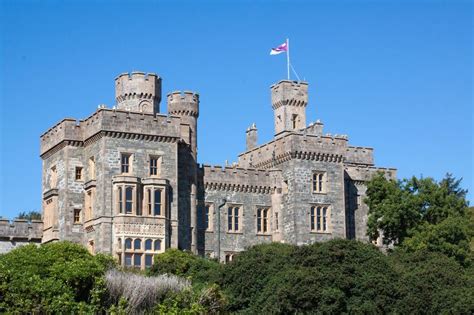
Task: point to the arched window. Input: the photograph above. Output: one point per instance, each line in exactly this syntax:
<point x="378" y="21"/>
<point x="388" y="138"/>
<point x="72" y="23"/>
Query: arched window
<point x="137" y="244"/>
<point x="119" y="243"/>
<point x="128" y="243"/>
<point x="148" y="244"/>
<point x="157" y="245"/>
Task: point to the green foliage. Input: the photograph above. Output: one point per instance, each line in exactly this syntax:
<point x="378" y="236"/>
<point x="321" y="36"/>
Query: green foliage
<point x="56" y="277"/>
<point x="199" y="270"/>
<point x="32" y="215"/>
<point x="332" y="277"/>
<point x="420" y="213"/>
<point x="432" y="283"/>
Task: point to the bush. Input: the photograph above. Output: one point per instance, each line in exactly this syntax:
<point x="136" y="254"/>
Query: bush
<point x="56" y="277"/>
<point x="140" y="292"/>
<point x="200" y="271"/>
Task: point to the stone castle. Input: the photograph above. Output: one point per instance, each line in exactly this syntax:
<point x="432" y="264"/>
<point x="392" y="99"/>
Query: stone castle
<point x="126" y="181"/>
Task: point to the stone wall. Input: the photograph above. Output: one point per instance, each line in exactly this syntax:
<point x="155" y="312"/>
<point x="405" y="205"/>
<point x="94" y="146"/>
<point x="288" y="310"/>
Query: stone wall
<point x="19" y="232"/>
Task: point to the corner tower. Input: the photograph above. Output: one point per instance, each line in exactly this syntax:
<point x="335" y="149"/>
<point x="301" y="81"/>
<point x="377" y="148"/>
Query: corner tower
<point x="289" y="100"/>
<point x="138" y="92"/>
<point x="186" y="105"/>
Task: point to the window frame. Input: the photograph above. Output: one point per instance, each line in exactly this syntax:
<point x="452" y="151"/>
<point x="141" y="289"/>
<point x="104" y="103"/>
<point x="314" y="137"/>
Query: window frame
<point x="319" y="182"/>
<point x="126" y="168"/>
<point x="208" y="216"/>
<point x="78" y="174"/>
<point x="263" y="220"/>
<point x="154" y="170"/>
<point x="235" y="215"/>
<point x="320" y="219"/>
<point x="77" y="216"/>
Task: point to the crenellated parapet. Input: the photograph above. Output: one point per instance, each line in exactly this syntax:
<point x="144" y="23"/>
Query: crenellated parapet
<point x="21" y="230"/>
<point x="290" y="93"/>
<point x="362" y="174"/>
<point x="295" y="146"/>
<point x="237" y="179"/>
<point x="359" y="155"/>
<point x="112" y="123"/>
<point x="183" y="103"/>
<point x="138" y="92"/>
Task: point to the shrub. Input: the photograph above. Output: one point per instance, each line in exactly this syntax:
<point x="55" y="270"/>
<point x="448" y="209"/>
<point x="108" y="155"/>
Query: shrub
<point x="56" y="277"/>
<point x="140" y="292"/>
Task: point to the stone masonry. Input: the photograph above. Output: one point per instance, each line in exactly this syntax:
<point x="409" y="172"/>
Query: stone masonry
<point x="126" y="180"/>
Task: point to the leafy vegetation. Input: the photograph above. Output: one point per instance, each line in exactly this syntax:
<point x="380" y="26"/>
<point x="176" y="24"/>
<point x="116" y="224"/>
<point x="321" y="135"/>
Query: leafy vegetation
<point x="428" y="270"/>
<point x="421" y="214"/>
<point x="32" y="215"/>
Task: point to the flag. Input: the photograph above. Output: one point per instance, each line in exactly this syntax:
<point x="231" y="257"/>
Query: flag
<point x="280" y="49"/>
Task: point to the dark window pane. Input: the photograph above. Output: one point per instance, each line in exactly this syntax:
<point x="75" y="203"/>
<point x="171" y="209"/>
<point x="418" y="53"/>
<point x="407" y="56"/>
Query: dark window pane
<point x="137" y="244"/>
<point x="148" y="260"/>
<point x="158" y="245"/>
<point x="128" y="243"/>
<point x="157" y="207"/>
<point x="137" y="260"/>
<point x="128" y="259"/>
<point x="128" y="199"/>
<point x="229" y="219"/>
<point x="148" y="244"/>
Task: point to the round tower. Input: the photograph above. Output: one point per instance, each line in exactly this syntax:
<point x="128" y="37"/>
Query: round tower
<point x="186" y="105"/>
<point x="289" y="100"/>
<point x="138" y="92"/>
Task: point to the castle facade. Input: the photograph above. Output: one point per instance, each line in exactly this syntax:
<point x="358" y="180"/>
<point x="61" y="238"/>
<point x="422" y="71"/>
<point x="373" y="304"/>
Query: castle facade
<point x="126" y="181"/>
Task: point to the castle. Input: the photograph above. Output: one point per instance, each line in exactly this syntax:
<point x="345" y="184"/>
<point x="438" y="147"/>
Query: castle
<point x="126" y="181"/>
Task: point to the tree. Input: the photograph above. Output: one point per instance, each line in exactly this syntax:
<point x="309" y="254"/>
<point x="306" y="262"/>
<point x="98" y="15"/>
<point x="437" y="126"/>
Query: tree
<point x="32" y="215"/>
<point x="420" y="213"/>
<point x="57" y="277"/>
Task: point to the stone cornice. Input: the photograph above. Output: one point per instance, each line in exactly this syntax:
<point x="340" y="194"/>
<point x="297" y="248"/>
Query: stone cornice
<point x="238" y="188"/>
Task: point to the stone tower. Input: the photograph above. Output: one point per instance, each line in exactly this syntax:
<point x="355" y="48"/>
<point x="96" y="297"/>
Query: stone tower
<point x="185" y="105"/>
<point x="289" y="100"/>
<point x="138" y="92"/>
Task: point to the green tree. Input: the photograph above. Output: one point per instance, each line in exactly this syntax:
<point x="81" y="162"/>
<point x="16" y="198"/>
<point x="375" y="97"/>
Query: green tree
<point x="32" y="215"/>
<point x="420" y="213"/>
<point x="58" y="277"/>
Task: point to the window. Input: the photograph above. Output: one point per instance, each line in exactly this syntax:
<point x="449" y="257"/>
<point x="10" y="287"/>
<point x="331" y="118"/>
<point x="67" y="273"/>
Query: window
<point x="78" y="173"/>
<point x="120" y="199"/>
<point x="157" y="202"/>
<point x="148" y="260"/>
<point x="277" y="223"/>
<point x="125" y="163"/>
<point x="49" y="217"/>
<point x="137" y="244"/>
<point x="91" y="168"/>
<point x="208" y="216"/>
<point x="318" y="182"/>
<point x="77" y="216"/>
<point x="233" y="219"/>
<point x="229" y="257"/>
<point x="155" y="163"/>
<point x="128" y="199"/>
<point x="148" y="201"/>
<point x="359" y="200"/>
<point x="294" y="118"/>
<point x="119" y="243"/>
<point x="128" y="243"/>
<point x="53" y="177"/>
<point x="148" y="244"/>
<point x="89" y="204"/>
<point x="157" y="245"/>
<point x="263" y="222"/>
<point x="137" y="260"/>
<point x="319" y="218"/>
<point x="128" y="260"/>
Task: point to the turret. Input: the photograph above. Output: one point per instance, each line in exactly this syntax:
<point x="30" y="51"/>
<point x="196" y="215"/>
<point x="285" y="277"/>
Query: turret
<point x="289" y="100"/>
<point x="138" y="92"/>
<point x="251" y="137"/>
<point x="186" y="106"/>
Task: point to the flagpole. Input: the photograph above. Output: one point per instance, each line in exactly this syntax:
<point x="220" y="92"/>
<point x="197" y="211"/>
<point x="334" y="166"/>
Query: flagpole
<point x="288" y="57"/>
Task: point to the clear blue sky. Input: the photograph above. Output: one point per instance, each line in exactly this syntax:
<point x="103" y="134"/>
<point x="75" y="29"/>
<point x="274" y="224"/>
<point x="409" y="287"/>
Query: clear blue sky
<point x="393" y="75"/>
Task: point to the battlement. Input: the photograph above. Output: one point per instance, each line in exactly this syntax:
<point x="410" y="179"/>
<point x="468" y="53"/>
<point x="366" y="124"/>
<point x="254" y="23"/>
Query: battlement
<point x="295" y="145"/>
<point x="21" y="229"/>
<point x="237" y="178"/>
<point x="112" y="121"/>
<point x="365" y="173"/>
<point x="183" y="103"/>
<point x="359" y="155"/>
<point x="290" y="93"/>
<point x="138" y="91"/>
